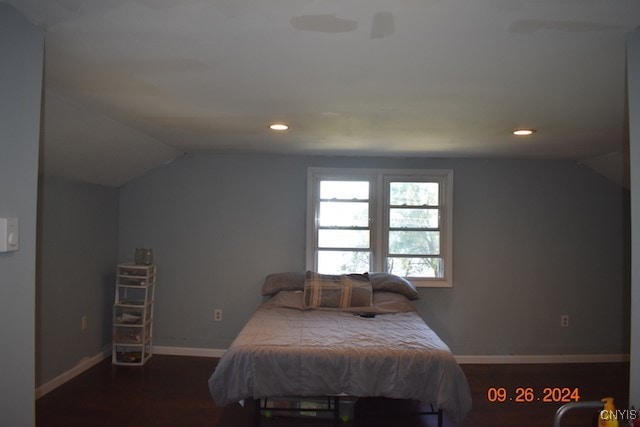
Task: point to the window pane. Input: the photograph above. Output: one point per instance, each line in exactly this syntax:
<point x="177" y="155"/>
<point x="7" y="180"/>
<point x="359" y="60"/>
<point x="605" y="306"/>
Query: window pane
<point x="413" y="218"/>
<point x="415" y="267"/>
<point x="343" y="239"/>
<point x="344" y="214"/>
<point x="414" y="242"/>
<point x="344" y="190"/>
<point x="339" y="262"/>
<point x="413" y="193"/>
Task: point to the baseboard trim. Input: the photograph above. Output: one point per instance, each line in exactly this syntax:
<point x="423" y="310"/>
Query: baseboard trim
<point x="83" y="365"/>
<point x="89" y="362"/>
<point x="541" y="358"/>
<point x="188" y="351"/>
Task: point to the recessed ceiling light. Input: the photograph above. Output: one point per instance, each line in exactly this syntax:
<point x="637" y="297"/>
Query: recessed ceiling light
<point x="279" y="126"/>
<point x="523" y="132"/>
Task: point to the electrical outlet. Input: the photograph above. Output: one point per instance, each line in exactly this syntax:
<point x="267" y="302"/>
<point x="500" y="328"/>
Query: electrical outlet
<point x="83" y="323"/>
<point x="564" y="320"/>
<point x="217" y="315"/>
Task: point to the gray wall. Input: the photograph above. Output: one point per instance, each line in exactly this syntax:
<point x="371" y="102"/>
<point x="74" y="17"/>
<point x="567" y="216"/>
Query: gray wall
<point x="532" y="240"/>
<point x="78" y="229"/>
<point x="633" y="84"/>
<point x="21" y="53"/>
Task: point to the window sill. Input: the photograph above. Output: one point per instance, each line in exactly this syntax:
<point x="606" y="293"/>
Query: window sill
<point x="430" y="283"/>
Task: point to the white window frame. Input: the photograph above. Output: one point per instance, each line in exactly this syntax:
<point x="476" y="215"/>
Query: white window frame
<point x="379" y="222"/>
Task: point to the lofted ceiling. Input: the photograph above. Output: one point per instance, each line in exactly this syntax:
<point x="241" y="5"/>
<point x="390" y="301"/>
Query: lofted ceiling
<point x="130" y="85"/>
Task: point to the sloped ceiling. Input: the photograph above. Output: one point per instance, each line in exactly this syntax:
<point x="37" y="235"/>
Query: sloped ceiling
<point x="132" y="84"/>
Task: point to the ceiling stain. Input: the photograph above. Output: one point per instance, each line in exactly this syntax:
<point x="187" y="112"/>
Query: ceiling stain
<point x="382" y="26"/>
<point x="323" y="24"/>
<point x="527" y="26"/>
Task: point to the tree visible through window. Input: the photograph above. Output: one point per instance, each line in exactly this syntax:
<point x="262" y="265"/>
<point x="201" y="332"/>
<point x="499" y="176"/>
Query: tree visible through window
<point x="414" y="229"/>
<point x="380" y="220"/>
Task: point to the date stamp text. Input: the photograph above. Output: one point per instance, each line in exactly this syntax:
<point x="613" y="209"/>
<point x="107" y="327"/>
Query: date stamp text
<point x="531" y="394"/>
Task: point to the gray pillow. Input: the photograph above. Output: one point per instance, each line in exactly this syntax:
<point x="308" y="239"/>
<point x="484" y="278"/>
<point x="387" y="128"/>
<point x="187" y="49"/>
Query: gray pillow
<point x="391" y="283"/>
<point x="277" y="282"/>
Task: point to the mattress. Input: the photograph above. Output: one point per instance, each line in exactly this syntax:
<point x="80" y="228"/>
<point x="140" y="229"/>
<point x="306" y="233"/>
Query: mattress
<point x="288" y="351"/>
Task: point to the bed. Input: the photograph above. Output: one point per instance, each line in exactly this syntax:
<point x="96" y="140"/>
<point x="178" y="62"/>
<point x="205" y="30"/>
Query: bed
<point x="309" y="339"/>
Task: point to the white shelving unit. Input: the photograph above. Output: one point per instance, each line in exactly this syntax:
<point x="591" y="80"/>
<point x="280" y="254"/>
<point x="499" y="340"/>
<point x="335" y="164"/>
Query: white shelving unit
<point x="133" y="314"/>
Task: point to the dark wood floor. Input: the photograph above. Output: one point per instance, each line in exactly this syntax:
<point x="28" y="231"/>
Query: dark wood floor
<point x="172" y="391"/>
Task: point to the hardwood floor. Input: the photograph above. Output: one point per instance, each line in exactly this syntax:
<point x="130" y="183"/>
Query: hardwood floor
<point x="172" y="391"/>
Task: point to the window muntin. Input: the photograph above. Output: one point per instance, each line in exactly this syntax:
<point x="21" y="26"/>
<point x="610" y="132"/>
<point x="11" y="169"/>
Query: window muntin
<point x="397" y="221"/>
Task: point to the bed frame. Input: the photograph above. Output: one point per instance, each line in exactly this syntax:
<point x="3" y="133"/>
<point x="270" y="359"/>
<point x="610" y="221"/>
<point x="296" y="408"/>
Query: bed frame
<point x="333" y="407"/>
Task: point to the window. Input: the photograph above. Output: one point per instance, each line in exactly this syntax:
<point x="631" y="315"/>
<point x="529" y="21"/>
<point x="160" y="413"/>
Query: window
<point x="398" y="221"/>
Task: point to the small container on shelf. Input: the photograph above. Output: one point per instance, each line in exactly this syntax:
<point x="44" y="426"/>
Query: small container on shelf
<point x="133" y="355"/>
<point x="136" y="273"/>
<point x="126" y="315"/>
<point x="132" y="334"/>
<point x="144" y="256"/>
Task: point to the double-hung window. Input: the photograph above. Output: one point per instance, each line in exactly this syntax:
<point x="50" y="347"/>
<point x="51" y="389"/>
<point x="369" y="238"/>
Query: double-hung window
<point x="397" y="221"/>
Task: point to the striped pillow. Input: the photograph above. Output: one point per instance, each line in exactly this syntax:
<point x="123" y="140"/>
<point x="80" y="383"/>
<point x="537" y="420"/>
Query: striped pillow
<point x="337" y="291"/>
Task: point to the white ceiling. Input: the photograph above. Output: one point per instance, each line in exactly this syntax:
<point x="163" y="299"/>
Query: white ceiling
<point x="132" y="84"/>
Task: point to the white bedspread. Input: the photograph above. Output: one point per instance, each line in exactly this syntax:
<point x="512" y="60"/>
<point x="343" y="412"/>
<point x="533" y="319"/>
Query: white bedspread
<point x="289" y="352"/>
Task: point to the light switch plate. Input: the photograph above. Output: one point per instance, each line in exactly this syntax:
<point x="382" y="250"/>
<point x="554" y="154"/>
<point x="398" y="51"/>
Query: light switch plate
<point x="9" y="235"/>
